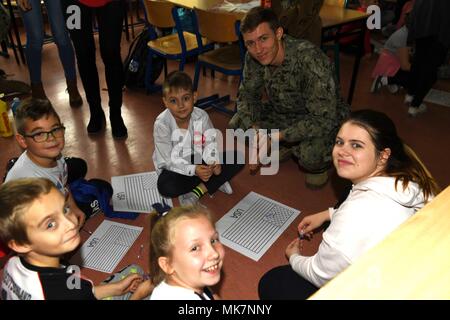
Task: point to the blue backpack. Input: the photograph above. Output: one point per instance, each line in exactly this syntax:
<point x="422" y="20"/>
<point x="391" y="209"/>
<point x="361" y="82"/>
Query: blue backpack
<point x="94" y="196"/>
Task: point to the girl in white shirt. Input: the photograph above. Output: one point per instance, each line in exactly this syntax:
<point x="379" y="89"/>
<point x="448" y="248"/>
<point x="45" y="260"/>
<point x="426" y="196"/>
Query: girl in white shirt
<point x="389" y="185"/>
<point x="186" y="256"/>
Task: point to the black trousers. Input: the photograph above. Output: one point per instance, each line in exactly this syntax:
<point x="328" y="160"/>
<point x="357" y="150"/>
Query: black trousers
<point x="110" y="20"/>
<point x="428" y="57"/>
<point x="283" y="283"/>
<point x="172" y="184"/>
<point x="398" y="10"/>
<point x="401" y="78"/>
<point x="76" y="169"/>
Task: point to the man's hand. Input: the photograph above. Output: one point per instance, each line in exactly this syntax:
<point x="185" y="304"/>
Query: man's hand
<point x="204" y="172"/>
<point x="261" y="149"/>
<point x="25" y="5"/>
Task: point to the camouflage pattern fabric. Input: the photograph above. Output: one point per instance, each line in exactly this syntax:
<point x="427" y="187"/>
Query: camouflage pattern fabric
<point x="300" y="18"/>
<point x="301" y="98"/>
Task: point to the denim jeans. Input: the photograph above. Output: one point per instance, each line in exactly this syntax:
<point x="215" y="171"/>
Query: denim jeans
<point x="35" y="38"/>
<point x="110" y="19"/>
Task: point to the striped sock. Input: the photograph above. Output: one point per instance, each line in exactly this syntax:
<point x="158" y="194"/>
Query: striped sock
<point x="198" y="192"/>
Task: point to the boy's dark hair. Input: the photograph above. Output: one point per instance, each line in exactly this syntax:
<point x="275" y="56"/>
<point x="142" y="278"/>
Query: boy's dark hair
<point x="258" y="15"/>
<point x="33" y="109"/>
<point x="16" y="197"/>
<point x="177" y="80"/>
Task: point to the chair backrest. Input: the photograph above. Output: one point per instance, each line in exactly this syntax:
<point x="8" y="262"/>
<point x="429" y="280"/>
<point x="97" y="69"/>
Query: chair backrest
<point x="217" y="26"/>
<point x="337" y="3"/>
<point x="159" y="13"/>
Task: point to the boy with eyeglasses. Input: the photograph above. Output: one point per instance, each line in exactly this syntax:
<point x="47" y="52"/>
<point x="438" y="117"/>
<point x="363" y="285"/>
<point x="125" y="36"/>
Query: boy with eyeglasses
<point x="41" y="133"/>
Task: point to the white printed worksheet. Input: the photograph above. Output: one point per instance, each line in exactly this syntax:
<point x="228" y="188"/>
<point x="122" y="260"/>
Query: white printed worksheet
<point x="254" y="224"/>
<point x="136" y="192"/>
<point x="106" y="247"/>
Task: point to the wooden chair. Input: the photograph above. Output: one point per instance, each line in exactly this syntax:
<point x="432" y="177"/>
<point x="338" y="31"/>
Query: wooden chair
<point x="176" y="46"/>
<point x="227" y="58"/>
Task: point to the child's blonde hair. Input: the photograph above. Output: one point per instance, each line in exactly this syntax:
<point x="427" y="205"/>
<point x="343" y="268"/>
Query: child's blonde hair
<point x="16" y="197"/>
<point x="162" y="233"/>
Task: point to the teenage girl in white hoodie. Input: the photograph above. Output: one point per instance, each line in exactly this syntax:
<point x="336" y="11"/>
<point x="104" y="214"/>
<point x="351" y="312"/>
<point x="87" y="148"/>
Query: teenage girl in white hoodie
<point x="389" y="185"/>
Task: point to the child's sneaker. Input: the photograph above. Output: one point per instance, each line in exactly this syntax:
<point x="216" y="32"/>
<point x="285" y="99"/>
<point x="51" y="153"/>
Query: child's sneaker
<point x="393" y="88"/>
<point x="188" y="199"/>
<point x="226" y="188"/>
<point x="376" y="84"/>
<point x="415" y="111"/>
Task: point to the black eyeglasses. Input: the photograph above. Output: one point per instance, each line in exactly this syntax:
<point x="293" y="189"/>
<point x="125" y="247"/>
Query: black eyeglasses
<point x="43" y="136"/>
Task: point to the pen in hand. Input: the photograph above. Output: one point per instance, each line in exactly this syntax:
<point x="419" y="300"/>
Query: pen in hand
<point x="87" y="231"/>
<point x="140" y="251"/>
<point x="301" y="236"/>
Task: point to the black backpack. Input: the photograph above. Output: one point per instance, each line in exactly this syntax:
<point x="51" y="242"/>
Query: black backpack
<point x="136" y="61"/>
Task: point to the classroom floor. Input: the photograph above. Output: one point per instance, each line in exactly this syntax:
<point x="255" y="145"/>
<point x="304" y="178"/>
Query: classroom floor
<point x="428" y="134"/>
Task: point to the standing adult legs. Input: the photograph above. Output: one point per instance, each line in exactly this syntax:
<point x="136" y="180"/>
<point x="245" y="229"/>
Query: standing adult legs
<point x="34" y="28"/>
<point x="429" y="55"/>
<point x="65" y="49"/>
<point x="401" y="78"/>
<point x="110" y="34"/>
<point x="83" y="41"/>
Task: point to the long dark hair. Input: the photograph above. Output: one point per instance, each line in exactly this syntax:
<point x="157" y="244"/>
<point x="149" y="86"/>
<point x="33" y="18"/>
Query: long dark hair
<point x="403" y="163"/>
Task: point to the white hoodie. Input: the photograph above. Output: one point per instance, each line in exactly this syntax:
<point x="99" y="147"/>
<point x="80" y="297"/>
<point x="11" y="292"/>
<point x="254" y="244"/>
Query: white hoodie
<point x="372" y="210"/>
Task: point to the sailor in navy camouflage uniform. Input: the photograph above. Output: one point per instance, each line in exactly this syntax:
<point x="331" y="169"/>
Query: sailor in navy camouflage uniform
<point x="290" y="85"/>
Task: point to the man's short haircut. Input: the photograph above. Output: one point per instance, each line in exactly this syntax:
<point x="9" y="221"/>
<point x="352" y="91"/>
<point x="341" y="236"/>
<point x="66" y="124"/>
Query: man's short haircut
<point x="177" y="80"/>
<point x="33" y="109"/>
<point x="16" y="197"/>
<point x="258" y="15"/>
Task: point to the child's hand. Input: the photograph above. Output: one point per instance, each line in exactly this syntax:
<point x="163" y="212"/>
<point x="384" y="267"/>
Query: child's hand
<point x="217" y="169"/>
<point x="203" y="172"/>
<point x="129" y="284"/>
<point x="312" y="222"/>
<point x="293" y="248"/>
<point x="143" y="290"/>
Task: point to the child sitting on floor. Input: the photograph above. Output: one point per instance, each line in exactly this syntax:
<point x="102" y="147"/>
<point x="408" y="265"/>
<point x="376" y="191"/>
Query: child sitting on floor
<point x="186" y="256"/>
<point x="186" y="155"/>
<point x="37" y="224"/>
<point x="41" y="134"/>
